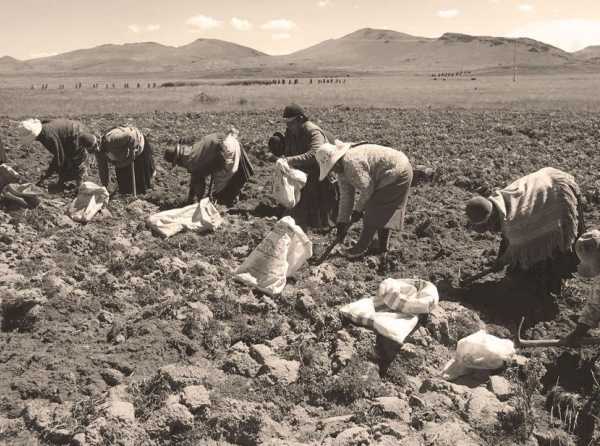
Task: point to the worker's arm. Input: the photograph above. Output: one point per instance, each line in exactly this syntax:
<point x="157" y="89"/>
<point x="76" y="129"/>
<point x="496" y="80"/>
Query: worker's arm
<point x="347" y="193"/>
<point x="103" y="168"/>
<point x="197" y="188"/>
<point x="307" y="160"/>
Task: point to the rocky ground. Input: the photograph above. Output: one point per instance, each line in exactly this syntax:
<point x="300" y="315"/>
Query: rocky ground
<point x="111" y="335"/>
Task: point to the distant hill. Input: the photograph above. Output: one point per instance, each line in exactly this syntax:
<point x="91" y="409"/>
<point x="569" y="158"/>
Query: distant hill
<point x="589" y="53"/>
<point x="381" y="50"/>
<point x="366" y="50"/>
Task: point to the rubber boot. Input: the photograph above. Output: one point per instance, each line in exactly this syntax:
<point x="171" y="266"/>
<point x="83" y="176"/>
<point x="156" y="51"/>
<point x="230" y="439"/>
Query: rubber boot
<point x="364" y="241"/>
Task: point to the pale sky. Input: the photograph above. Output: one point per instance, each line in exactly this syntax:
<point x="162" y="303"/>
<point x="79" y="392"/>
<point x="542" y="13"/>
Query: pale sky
<point x="36" y="28"/>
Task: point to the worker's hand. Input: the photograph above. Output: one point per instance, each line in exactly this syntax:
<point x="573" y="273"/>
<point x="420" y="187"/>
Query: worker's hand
<point x="356" y="216"/>
<point x="342" y="231"/>
<point x="580" y="331"/>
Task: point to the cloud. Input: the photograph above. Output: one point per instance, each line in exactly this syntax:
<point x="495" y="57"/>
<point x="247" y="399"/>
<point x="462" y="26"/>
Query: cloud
<point x="525" y="7"/>
<point x="202" y="23"/>
<point x="570" y="35"/>
<point x="323" y="3"/>
<point x="152" y="27"/>
<point x="280" y="36"/>
<point x="279" y="25"/>
<point x="448" y="13"/>
<point x="241" y="24"/>
<point x="134" y="28"/>
<point x="40" y="55"/>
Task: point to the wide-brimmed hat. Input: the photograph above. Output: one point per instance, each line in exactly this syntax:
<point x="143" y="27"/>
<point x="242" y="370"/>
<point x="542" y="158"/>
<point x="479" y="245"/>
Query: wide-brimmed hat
<point x="293" y="111"/>
<point x="329" y="154"/>
<point x="479" y="210"/>
<point x="28" y="130"/>
<point x="172" y="154"/>
<point x="88" y="140"/>
<point x="587" y="248"/>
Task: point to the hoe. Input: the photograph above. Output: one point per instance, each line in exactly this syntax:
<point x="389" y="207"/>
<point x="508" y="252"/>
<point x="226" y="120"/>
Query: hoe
<point x="552" y="342"/>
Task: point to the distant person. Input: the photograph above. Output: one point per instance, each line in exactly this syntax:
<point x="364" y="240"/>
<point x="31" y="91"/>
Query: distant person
<point x="318" y="203"/>
<point x="68" y="141"/>
<point x="130" y="151"/>
<point x="539" y="217"/>
<point x="220" y="156"/>
<point x="3" y="158"/>
<point x="381" y="177"/>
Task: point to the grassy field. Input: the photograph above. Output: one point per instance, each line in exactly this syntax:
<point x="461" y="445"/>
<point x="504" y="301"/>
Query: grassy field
<point x="530" y="92"/>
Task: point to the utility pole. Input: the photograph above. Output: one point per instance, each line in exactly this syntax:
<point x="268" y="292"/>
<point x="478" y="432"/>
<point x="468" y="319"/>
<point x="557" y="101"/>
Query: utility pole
<point x="515" y="61"/>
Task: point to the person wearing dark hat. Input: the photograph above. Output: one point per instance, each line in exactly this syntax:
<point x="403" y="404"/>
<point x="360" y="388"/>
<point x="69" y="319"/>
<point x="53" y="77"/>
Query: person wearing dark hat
<point x="318" y="204"/>
<point x="130" y="151"/>
<point x="220" y="156"/>
<point x="540" y="217"/>
<point x="587" y="248"/>
<point x="68" y="142"/>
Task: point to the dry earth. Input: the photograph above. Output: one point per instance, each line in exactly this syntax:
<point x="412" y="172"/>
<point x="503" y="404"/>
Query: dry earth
<point x="111" y="335"/>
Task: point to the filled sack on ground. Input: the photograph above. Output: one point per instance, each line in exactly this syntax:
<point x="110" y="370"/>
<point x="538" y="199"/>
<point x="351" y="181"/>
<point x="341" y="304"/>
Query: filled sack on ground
<point x="479" y="351"/>
<point x="199" y="217"/>
<point x="287" y="184"/>
<point x="8" y="175"/>
<point x="26" y="194"/>
<point x="277" y="257"/>
<point x="411" y="296"/>
<point x="89" y="201"/>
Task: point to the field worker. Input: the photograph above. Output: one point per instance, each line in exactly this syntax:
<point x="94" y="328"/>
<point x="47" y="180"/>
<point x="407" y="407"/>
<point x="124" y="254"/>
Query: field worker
<point x="587" y="248"/>
<point x="539" y="217"/>
<point x="130" y="151"/>
<point x="3" y="158"/>
<point x="67" y="141"/>
<point x="318" y="203"/>
<point x="381" y="176"/>
<point x="220" y="156"/>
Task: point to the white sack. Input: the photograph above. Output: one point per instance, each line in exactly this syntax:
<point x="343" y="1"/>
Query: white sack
<point x="277" y="257"/>
<point x="481" y="351"/>
<point x="90" y="199"/>
<point x="411" y="296"/>
<point x="287" y="184"/>
<point x="199" y="217"/>
<point x="392" y="325"/>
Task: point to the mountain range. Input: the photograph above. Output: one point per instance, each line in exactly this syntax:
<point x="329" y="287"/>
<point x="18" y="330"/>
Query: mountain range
<point x="364" y="51"/>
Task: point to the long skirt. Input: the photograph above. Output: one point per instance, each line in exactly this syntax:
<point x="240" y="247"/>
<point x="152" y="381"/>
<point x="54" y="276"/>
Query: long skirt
<point x="318" y="203"/>
<point x="144" y="172"/>
<point x="387" y="206"/>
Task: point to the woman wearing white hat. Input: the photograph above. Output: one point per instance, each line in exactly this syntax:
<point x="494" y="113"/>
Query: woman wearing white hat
<point x="587" y="248"/>
<point x="382" y="177"/>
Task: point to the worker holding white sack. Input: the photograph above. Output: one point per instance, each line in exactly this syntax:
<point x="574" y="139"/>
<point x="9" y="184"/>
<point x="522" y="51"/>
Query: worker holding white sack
<point x="130" y="151"/>
<point x="220" y="156"/>
<point x="587" y="248"/>
<point x="382" y="177"/>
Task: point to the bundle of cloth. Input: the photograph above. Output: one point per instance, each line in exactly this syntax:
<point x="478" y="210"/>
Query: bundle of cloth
<point x="13" y="189"/>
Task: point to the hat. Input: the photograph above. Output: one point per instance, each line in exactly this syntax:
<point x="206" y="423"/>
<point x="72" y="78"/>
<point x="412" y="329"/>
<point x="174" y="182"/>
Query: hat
<point x="479" y="210"/>
<point x="29" y="130"/>
<point x="329" y="154"/>
<point x="88" y="140"/>
<point x="293" y="111"/>
<point x="587" y="248"/>
<point x="172" y="154"/>
<point x="277" y="144"/>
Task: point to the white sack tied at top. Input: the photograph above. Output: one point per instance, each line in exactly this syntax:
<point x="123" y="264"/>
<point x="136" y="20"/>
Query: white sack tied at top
<point x="287" y="184"/>
<point x="199" y="217"/>
<point x="479" y="351"/>
<point x="90" y="199"/>
<point x="277" y="257"/>
<point x="393" y="313"/>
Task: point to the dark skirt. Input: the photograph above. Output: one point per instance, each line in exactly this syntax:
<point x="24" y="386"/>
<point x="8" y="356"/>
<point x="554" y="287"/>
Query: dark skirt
<point x="144" y="171"/>
<point x="228" y="195"/>
<point x="318" y="203"/>
<point x="387" y="206"/>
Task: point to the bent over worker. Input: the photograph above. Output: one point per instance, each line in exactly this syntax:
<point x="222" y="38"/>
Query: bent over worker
<point x="220" y="156"/>
<point x="130" y="151"/>
<point x="587" y="248"/>
<point x="319" y="199"/>
<point x="381" y="176"/>
<point x="539" y="217"/>
<point x="68" y="142"/>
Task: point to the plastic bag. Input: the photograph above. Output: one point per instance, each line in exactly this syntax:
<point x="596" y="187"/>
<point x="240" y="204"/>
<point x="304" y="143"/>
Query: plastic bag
<point x="412" y="296"/>
<point x="480" y="351"/>
<point x="199" y="217"/>
<point x="277" y="257"/>
<point x="287" y="184"/>
<point x="90" y="199"/>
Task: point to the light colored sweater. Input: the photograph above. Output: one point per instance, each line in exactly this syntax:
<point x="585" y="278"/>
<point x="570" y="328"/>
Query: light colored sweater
<point x="367" y="168"/>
